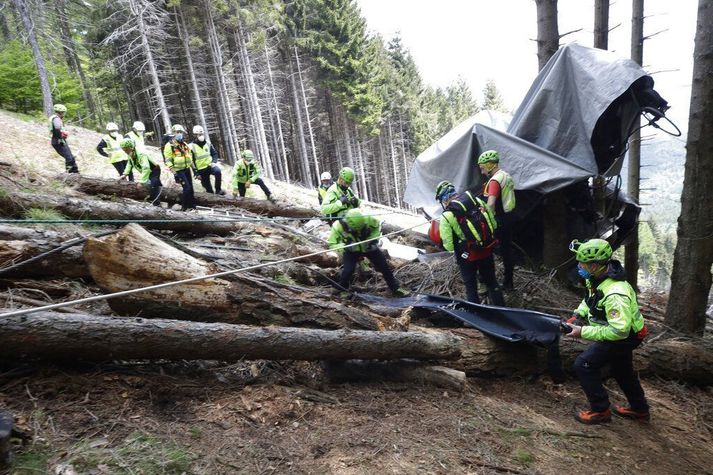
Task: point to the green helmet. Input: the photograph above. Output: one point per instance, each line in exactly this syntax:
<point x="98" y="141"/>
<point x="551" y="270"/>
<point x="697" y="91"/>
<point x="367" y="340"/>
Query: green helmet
<point x="354" y="219"/>
<point x="489" y="156"/>
<point x="444" y="189"/>
<point x="127" y="143"/>
<point x="347" y="174"/>
<point x="177" y="128"/>
<point x="591" y="250"/>
<point x="247" y="153"/>
<point x="60" y="108"/>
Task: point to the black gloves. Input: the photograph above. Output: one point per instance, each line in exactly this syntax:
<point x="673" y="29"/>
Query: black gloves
<point x="344" y="199"/>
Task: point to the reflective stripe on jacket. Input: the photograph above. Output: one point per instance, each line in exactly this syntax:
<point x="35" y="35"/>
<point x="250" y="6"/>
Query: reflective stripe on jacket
<point x="612" y="311"/>
<point x="178" y="156"/>
<point x="116" y="154"/>
<point x="341" y="235"/>
<point x="507" y="189"/>
<point x="201" y="155"/>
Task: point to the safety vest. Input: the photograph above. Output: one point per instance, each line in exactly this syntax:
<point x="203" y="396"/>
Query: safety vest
<point x="201" y="155"/>
<point x="507" y="189"/>
<point x="322" y="190"/>
<point x="245" y="171"/>
<point x="113" y="149"/>
<point x="178" y="156"/>
<point x="142" y="163"/>
<point x="138" y="140"/>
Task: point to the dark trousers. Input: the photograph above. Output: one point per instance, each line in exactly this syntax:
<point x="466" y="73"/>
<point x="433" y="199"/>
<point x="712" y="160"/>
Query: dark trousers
<point x="121" y="166"/>
<point x="70" y="164"/>
<point x="188" y="199"/>
<point x="469" y="271"/>
<point x="155" y="186"/>
<point x="205" y="175"/>
<point x="258" y="182"/>
<point x="617" y="354"/>
<point x="376" y="257"/>
<point x="504" y="235"/>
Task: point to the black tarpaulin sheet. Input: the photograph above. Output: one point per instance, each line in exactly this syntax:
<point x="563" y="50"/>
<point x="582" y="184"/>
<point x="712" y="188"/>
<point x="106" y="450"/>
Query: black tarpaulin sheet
<point x="508" y="324"/>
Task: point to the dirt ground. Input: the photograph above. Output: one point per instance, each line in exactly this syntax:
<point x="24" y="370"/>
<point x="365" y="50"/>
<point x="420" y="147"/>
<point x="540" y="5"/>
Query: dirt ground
<point x="273" y="417"/>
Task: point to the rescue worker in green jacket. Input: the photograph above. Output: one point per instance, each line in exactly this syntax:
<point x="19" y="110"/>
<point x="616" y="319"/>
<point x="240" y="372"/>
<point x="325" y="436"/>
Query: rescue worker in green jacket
<point x="138" y="134"/>
<point x="110" y="147"/>
<point x="205" y="158"/>
<point x="340" y="198"/>
<point x="352" y="228"/>
<point x="150" y="171"/>
<point x="58" y="138"/>
<point x="246" y="172"/>
<point x="472" y="256"/>
<point x="179" y="160"/>
<point x="325" y="183"/>
<point x="500" y="193"/>
<point x="609" y="315"/>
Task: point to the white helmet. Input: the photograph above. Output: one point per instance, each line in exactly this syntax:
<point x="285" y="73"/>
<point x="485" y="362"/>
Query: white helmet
<point x="197" y="130"/>
<point x="325" y="176"/>
<point x="139" y="126"/>
<point x="112" y="127"/>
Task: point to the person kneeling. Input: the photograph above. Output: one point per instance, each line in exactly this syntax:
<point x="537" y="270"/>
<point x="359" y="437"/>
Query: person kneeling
<point x="354" y="228"/>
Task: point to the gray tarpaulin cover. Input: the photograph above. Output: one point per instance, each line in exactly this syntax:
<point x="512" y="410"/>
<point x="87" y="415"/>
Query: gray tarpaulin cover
<point x="546" y="146"/>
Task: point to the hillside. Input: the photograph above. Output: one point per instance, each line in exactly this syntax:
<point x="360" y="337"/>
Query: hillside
<point x="210" y="417"/>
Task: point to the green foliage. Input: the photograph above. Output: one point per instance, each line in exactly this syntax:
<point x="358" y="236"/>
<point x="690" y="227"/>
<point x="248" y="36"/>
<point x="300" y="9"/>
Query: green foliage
<point x="492" y="100"/>
<point x="31" y="461"/>
<point x="524" y="457"/>
<point x="43" y="214"/>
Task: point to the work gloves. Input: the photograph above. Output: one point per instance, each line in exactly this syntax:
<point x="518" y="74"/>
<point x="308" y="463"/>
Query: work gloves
<point x="344" y="199"/>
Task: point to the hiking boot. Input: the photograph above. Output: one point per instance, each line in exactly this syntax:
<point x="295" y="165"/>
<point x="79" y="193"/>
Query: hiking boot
<point x="593" y="417"/>
<point x="401" y="292"/>
<point x="271" y="199"/>
<point x="629" y="413"/>
<point x="221" y="192"/>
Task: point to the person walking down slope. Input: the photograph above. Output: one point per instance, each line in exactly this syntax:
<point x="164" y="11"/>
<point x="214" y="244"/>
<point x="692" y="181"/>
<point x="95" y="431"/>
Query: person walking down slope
<point x="609" y="315"/>
<point x="353" y="228"/>
<point x="246" y="172"/>
<point x="205" y="158"/>
<point x="179" y="160"/>
<point x="467" y="229"/>
<point x="58" y="138"/>
<point x="149" y="170"/>
<point x="500" y="194"/>
<point x="110" y="147"/>
<point x="325" y="183"/>
<point x="340" y="198"/>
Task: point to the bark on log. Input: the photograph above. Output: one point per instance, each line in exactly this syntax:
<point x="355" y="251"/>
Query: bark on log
<point x="18" y="244"/>
<point x="133" y="258"/>
<point x="16" y="203"/>
<point x="102" y="186"/>
<point x="80" y="336"/>
<point x="398" y="371"/>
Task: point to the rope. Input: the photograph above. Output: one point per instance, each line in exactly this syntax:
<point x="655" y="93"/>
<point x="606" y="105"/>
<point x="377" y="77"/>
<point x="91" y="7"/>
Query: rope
<point x="193" y="279"/>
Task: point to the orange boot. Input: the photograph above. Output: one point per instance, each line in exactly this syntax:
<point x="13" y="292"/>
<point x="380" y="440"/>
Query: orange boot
<point x="593" y="417"/>
<point x="629" y="413"/>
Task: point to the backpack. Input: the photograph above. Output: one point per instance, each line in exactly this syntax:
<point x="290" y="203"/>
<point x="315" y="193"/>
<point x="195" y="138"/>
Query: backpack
<point x="475" y="220"/>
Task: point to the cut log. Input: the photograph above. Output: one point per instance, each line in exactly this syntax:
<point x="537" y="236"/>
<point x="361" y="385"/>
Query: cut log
<point x="18" y="244"/>
<point x="133" y="258"/>
<point x="408" y="371"/>
<point x="16" y="203"/>
<point x="79" y="336"/>
<point x="172" y="195"/>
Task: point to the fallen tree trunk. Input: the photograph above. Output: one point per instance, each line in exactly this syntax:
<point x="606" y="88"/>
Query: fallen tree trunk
<point x="171" y="195"/>
<point x="133" y="258"/>
<point x="407" y="371"/>
<point x="18" y="244"/>
<point x="78" y="336"/>
<point x="16" y="203"/>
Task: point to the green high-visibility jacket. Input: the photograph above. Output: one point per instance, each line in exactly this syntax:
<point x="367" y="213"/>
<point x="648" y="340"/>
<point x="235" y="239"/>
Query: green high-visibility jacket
<point x="507" y="189"/>
<point x="138" y="139"/>
<point x="341" y="234"/>
<point x="321" y="193"/>
<point x="116" y="154"/>
<point x="614" y="311"/>
<point x="449" y="228"/>
<point x="201" y="155"/>
<point x="332" y="206"/>
<point x="142" y="163"/>
<point x="245" y="171"/>
<point x="178" y="156"/>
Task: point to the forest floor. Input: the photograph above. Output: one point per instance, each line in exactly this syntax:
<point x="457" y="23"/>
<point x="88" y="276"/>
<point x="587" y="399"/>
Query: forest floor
<point x="201" y="417"/>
